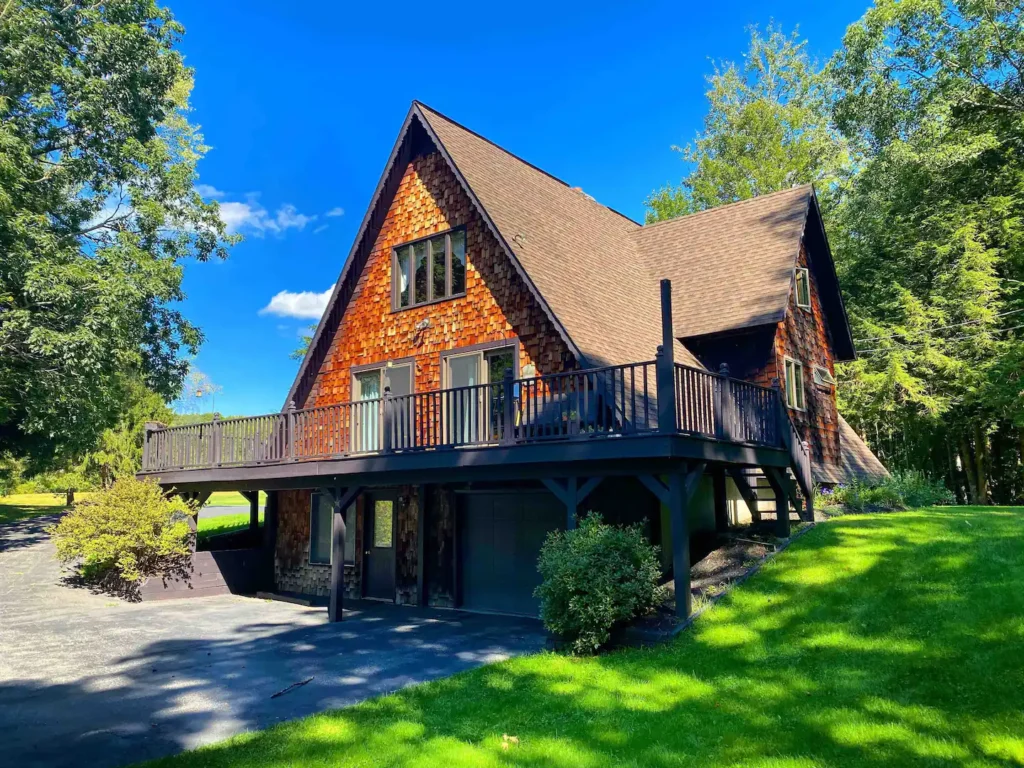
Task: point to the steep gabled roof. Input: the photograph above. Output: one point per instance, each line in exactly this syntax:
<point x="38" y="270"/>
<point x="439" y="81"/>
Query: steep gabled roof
<point x="595" y="272"/>
<point x="731" y="267"/>
<point x="578" y="254"/>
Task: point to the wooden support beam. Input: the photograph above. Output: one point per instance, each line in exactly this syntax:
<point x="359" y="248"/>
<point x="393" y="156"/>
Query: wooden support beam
<point x="421" y="545"/>
<point x="571" y="493"/>
<point x="253" y="497"/>
<point x="746" y="491"/>
<point x="677" y="495"/>
<point x="721" y="500"/>
<point x="341" y="499"/>
<point x="783" y="489"/>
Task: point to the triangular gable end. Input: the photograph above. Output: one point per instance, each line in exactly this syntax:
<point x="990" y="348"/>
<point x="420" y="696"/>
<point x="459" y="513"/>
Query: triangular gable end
<point x="416" y="132"/>
<point x="824" y="268"/>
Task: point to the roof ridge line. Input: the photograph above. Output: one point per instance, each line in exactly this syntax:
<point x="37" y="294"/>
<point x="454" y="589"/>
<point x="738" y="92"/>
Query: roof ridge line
<point x="525" y="162"/>
<point x="733" y="204"/>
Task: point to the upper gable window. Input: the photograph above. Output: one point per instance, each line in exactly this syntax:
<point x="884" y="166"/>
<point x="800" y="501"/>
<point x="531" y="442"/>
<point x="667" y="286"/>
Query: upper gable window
<point x="803" y="288"/>
<point x="431" y="269"/>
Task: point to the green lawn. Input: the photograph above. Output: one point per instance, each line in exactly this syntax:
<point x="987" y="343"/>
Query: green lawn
<point x="21" y="505"/>
<point x="213" y="526"/>
<point x="232" y="499"/>
<point x="875" y="640"/>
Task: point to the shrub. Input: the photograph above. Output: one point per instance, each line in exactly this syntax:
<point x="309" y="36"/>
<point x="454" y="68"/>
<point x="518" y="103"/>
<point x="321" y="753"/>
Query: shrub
<point x="124" y="534"/>
<point x="595" y="577"/>
<point x="902" y="490"/>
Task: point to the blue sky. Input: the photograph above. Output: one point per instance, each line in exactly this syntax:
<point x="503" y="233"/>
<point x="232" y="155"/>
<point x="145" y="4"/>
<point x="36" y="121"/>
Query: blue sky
<point x="301" y="109"/>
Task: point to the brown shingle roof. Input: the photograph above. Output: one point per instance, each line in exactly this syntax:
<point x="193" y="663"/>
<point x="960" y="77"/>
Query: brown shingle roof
<point x="857" y="462"/>
<point x="731" y="267"/>
<point x="580" y="256"/>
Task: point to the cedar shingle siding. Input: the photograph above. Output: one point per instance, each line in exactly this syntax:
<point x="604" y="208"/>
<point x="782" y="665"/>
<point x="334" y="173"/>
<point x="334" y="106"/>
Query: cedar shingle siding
<point x="497" y="304"/>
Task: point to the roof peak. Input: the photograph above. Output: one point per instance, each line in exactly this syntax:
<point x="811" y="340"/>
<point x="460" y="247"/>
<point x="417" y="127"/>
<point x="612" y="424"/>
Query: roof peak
<point x="420" y="105"/>
<point x="736" y="204"/>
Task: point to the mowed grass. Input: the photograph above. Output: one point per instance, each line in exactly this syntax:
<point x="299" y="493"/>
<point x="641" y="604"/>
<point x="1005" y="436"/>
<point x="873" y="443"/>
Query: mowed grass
<point x="22" y="505"/>
<point x="232" y="499"/>
<point x="214" y="526"/>
<point x="888" y="640"/>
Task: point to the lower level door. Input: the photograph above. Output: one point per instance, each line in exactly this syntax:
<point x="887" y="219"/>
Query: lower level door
<point x="379" y="549"/>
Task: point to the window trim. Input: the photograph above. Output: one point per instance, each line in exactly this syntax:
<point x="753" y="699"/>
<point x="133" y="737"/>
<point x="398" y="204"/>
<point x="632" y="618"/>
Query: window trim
<point x="431" y="299"/>
<point x="787" y="362"/>
<point x="482" y="348"/>
<point x="314" y="503"/>
<point x="382" y="365"/>
<point x="805" y="274"/>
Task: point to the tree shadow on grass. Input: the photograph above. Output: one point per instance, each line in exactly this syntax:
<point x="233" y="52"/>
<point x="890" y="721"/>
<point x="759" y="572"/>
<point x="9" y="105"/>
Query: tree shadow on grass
<point x="873" y="641"/>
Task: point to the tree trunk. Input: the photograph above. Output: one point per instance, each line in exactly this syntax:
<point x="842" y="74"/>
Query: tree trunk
<point x="981" y="462"/>
<point x="968" y="464"/>
<point x="69" y="497"/>
<point x="954" y="476"/>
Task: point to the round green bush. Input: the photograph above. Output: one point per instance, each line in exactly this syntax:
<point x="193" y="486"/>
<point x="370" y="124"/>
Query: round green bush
<point x="595" y="577"/>
<point x="124" y="534"/>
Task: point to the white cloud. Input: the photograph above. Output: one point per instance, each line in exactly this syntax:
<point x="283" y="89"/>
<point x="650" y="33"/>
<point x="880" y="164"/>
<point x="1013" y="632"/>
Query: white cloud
<point x="208" y="191"/>
<point x="305" y="305"/>
<point x="339" y="211"/>
<point x="319" y="229"/>
<point x="253" y="217"/>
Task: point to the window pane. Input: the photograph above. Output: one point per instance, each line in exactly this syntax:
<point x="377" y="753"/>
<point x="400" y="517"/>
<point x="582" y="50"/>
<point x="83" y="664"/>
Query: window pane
<point x="458" y="261"/>
<point x="383" y="514"/>
<point x="799" y="384"/>
<point x="419" y="251"/>
<point x="790" y="396"/>
<point x="404" y="278"/>
<point x="320" y="530"/>
<point x="437" y="267"/>
<point x="803" y="288"/>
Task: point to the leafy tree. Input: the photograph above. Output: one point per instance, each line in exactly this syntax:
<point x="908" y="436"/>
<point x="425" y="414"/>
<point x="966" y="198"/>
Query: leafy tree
<point x="119" y="451"/>
<point x="930" y="236"/>
<point x="307" y="338"/>
<point x="767" y="129"/>
<point x="98" y="212"/>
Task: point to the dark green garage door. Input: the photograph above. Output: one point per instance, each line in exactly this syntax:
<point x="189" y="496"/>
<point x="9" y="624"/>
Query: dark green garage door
<point x="500" y="538"/>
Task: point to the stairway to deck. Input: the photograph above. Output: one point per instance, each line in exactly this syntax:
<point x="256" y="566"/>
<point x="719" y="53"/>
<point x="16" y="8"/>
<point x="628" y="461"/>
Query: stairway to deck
<point x="760" y="497"/>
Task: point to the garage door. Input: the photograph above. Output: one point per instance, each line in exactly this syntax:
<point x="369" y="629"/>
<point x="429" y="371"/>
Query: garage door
<point x="500" y="538"/>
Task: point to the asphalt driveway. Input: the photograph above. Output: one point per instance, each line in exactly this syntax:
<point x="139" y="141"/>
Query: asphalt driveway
<point x="88" y="680"/>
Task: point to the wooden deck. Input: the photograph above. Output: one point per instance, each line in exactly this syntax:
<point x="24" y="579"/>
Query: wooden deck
<point x="649" y="412"/>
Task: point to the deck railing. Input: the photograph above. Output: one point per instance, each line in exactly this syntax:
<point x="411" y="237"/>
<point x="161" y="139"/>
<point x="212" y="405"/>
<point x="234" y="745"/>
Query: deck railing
<point x="614" y="401"/>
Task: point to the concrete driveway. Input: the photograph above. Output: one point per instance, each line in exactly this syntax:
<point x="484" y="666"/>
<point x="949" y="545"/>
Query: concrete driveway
<point x="87" y="680"/>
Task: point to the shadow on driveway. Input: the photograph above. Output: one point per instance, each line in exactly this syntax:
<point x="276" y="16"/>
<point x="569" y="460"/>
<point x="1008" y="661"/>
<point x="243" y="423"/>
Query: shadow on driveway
<point x="89" y="681"/>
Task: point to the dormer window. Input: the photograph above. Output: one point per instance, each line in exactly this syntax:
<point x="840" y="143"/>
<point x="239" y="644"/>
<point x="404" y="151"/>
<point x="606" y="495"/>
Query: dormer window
<point x="428" y="270"/>
<point x="803" y="288"/>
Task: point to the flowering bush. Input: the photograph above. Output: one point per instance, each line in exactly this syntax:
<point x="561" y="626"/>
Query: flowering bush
<point x="901" y="490"/>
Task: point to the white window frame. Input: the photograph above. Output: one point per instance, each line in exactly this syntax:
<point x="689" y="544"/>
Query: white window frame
<point x="790" y="366"/>
<point x="803" y="276"/>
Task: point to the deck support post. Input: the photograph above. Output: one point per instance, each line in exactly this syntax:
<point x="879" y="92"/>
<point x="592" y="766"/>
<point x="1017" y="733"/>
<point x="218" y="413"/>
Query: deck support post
<point x="341" y="498"/>
<point x="783" y="490"/>
<point x="253" y="497"/>
<point x="676" y="495"/>
<point x="421" y="545"/>
<point x="664" y="365"/>
<point x="571" y="493"/>
<point x="721" y="500"/>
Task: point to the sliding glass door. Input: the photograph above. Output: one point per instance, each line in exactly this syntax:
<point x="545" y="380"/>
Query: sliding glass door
<point x="473" y="412"/>
<point x="368" y="405"/>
